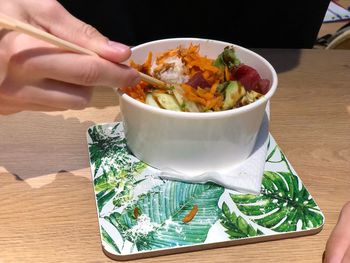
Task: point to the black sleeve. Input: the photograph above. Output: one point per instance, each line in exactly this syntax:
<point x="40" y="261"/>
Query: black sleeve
<point x="253" y="24"/>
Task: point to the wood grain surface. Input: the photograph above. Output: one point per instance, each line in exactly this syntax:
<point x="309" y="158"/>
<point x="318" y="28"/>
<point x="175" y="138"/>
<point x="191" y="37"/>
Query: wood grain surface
<point x="48" y="211"/>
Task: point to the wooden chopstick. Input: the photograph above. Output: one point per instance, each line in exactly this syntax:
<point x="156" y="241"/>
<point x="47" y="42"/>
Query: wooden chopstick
<point x="16" y="25"/>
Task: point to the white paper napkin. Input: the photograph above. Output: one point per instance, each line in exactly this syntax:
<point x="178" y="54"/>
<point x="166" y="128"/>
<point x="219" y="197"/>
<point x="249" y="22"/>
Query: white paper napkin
<point x="245" y="177"/>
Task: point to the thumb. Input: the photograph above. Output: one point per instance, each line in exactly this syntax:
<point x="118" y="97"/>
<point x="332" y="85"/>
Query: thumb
<point x="58" y="21"/>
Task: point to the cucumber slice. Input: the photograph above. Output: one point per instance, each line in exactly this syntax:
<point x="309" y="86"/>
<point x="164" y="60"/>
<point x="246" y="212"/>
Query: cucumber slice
<point x="178" y="93"/>
<point x="151" y="101"/>
<point x="167" y="101"/>
<point x="184" y="103"/>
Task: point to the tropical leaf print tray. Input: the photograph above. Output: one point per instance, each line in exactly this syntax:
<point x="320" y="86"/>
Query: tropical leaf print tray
<point x="141" y="215"/>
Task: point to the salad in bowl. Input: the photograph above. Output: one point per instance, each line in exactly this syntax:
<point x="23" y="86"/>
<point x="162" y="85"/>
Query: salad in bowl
<point x="209" y="115"/>
<point x="197" y="83"/>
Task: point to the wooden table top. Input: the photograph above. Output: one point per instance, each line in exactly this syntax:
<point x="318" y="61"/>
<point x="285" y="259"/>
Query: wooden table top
<point x="48" y="211"/>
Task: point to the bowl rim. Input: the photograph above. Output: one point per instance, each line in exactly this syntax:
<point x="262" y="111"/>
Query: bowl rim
<point x="206" y="115"/>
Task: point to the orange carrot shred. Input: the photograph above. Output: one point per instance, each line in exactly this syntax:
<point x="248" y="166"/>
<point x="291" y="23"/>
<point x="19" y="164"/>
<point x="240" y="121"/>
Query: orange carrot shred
<point x="164" y="55"/>
<point x="136" y="212"/>
<point x="195" y="98"/>
<point x="206" y="98"/>
<point x="147" y="65"/>
<point x="214" y="87"/>
<point x="191" y="94"/>
<point x="203" y="93"/>
<point x="211" y="103"/>
<point x="137" y="92"/>
<point x="220" y="102"/>
<point x="135" y="65"/>
<point x="227" y="74"/>
<point x="191" y="214"/>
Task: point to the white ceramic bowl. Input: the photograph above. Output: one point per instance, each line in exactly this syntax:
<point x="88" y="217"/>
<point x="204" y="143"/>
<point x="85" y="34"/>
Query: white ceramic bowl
<point x="191" y="142"/>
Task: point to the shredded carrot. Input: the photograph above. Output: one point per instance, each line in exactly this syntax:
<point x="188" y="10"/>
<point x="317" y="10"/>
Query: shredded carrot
<point x="203" y="64"/>
<point x="136" y="212"/>
<point x="227" y="74"/>
<point x="147" y="65"/>
<point x="137" y="92"/>
<point x="204" y="93"/>
<point x="211" y="103"/>
<point x="135" y="65"/>
<point x="160" y="91"/>
<point x="167" y="54"/>
<point x="191" y="214"/>
<point x="191" y="94"/>
<point x="213" y="77"/>
<point x="194" y="63"/>
<point x="219" y="103"/>
<point x="214" y="87"/>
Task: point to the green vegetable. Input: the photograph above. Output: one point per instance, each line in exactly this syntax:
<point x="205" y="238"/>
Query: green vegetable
<point x="167" y="101"/>
<point x="191" y="106"/>
<point x="178" y="93"/>
<point x="227" y="58"/>
<point x="151" y="101"/>
<point x="234" y="92"/>
<point x="222" y="86"/>
<point x="185" y="104"/>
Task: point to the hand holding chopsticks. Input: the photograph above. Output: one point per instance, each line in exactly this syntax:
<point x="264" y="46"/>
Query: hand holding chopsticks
<point x="35" y="75"/>
<point x="13" y="24"/>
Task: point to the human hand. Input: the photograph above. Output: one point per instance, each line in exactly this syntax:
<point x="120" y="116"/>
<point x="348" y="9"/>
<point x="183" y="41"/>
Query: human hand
<point x="338" y="244"/>
<point x="35" y="75"/>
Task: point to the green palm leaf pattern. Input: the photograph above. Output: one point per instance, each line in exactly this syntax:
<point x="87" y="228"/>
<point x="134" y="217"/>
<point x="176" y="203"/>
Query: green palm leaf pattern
<point x="140" y="212"/>
<point x="166" y="206"/>
<point x="283" y="204"/>
<point x="110" y="154"/>
<point x="236" y="226"/>
<point x="104" y="145"/>
<point x="107" y="147"/>
<point x="109" y="240"/>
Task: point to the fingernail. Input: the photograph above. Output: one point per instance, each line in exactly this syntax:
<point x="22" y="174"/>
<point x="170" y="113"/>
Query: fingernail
<point x="135" y="80"/>
<point x="118" y="46"/>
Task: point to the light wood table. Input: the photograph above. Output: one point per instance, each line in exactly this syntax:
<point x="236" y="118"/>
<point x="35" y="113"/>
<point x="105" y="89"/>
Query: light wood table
<point x="47" y="202"/>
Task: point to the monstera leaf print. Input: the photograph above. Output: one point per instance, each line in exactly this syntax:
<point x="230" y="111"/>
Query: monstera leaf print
<point x="236" y="226"/>
<point x="140" y="212"/>
<point x="284" y="204"/>
<point x="162" y="211"/>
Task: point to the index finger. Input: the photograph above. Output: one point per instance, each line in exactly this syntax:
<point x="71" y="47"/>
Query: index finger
<point x="338" y="244"/>
<point x="74" y="68"/>
<point x="58" y="21"/>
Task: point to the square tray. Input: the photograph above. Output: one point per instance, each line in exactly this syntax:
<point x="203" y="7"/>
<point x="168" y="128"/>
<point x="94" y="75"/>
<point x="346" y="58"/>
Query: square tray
<point x="141" y="215"/>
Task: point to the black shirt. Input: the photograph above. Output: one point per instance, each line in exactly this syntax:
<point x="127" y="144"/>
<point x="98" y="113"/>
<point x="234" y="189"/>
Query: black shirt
<point x="253" y="24"/>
